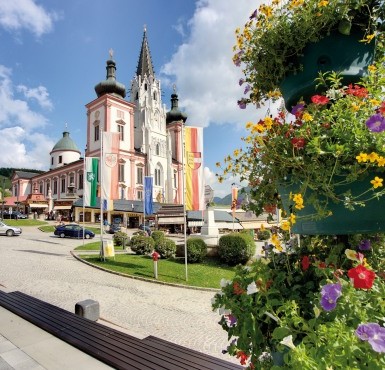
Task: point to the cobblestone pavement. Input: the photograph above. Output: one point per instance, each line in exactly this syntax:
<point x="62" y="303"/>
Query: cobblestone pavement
<point x="41" y="265"/>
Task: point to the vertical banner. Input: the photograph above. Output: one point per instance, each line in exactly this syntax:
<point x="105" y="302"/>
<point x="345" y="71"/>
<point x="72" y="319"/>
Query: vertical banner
<point x="110" y="169"/>
<point x="193" y="138"/>
<point x="148" y="201"/>
<point x="90" y="181"/>
<point x="234" y="199"/>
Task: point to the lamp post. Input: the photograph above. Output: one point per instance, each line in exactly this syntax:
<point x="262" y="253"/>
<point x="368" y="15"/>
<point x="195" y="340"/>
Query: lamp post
<point x="3" y="200"/>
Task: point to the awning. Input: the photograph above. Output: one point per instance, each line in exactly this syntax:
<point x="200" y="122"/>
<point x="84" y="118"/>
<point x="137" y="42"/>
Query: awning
<point x="170" y="220"/>
<point x="61" y="207"/>
<point x="36" y="205"/>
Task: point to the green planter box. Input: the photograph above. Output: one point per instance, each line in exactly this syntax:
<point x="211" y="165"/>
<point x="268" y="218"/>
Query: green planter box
<point x="336" y="52"/>
<point x="368" y="219"/>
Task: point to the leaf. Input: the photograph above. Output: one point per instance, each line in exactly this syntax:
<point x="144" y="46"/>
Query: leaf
<point x="280" y="333"/>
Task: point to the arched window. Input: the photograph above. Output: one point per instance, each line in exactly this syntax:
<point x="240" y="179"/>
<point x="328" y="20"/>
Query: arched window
<point x="157" y="149"/>
<point x="154" y="95"/>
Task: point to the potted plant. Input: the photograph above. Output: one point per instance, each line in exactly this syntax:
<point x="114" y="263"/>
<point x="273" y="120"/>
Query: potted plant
<point x="272" y="44"/>
<point x="318" y="306"/>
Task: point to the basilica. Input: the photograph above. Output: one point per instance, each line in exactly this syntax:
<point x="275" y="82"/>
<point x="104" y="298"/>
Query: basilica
<point x="150" y="143"/>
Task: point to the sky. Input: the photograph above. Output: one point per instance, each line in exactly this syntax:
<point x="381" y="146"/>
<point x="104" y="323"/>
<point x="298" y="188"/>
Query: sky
<point x="54" y="52"/>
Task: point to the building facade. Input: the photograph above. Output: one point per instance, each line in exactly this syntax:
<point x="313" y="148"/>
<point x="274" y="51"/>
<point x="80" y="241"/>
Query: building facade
<point x="149" y="143"/>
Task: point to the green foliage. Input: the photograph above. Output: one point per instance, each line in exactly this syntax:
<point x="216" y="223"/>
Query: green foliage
<point x="263" y="234"/>
<point x="236" y="248"/>
<point x="165" y="247"/>
<point x="119" y="238"/>
<point x="157" y="235"/>
<point x="140" y="232"/>
<point x="196" y="250"/>
<point x="142" y="244"/>
<point x="276" y="307"/>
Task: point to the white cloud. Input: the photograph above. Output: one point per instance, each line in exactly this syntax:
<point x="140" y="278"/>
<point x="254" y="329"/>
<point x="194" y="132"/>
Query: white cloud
<point x="16" y="15"/>
<point x="40" y="94"/>
<point x="202" y="67"/>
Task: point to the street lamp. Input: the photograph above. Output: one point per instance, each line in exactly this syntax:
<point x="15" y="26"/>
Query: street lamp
<point x="3" y="200"/>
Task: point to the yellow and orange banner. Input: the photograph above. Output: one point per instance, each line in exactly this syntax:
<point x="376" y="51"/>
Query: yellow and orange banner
<point x="193" y="137"/>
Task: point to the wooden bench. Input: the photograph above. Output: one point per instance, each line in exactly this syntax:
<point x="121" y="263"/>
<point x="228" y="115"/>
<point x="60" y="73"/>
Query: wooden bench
<point x="115" y="348"/>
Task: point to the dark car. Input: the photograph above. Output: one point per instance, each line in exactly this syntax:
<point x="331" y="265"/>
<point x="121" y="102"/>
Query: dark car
<point x="14" y="215"/>
<point x="145" y="228"/>
<point x="73" y="231"/>
<point x="114" y="228"/>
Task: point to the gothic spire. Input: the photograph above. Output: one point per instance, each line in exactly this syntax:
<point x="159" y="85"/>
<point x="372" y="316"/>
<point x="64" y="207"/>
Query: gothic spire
<point x="145" y="66"/>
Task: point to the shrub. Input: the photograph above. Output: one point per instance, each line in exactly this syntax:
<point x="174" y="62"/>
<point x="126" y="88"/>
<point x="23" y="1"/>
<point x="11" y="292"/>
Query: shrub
<point x="196" y="250"/>
<point x="165" y="247"/>
<point x="236" y="248"/>
<point x="140" y="232"/>
<point x="120" y="237"/>
<point x="263" y="234"/>
<point x="142" y="244"/>
<point x="157" y="235"/>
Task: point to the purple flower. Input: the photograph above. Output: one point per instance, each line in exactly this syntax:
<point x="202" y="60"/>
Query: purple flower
<point x="241" y="81"/>
<point x="297" y="108"/>
<point x="231" y="320"/>
<point x="247" y="89"/>
<point x="376" y="123"/>
<point x="364" y="245"/>
<point x="329" y="295"/>
<point x="242" y="103"/>
<point x="374" y="334"/>
<point x="254" y="14"/>
<point x="237" y="58"/>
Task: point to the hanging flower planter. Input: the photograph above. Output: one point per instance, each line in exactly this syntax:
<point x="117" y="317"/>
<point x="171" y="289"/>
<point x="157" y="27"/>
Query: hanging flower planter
<point x="344" y="54"/>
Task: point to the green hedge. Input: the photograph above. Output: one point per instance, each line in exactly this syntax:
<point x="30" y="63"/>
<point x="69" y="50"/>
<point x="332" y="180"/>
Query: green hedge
<point x="119" y="237"/>
<point x="165" y="247"/>
<point x="142" y="244"/>
<point x="236" y="248"/>
<point x="263" y="234"/>
<point x="157" y="235"/>
<point x="196" y="250"/>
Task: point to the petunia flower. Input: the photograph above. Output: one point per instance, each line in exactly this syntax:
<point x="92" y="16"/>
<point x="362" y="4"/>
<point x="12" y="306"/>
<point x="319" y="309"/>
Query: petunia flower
<point x="231" y="320"/>
<point x="225" y="282"/>
<point x="252" y="288"/>
<point x="241" y="81"/>
<point x="242" y="104"/>
<point x="329" y="295"/>
<point x="351" y="255"/>
<point x="362" y="277"/>
<point x="305" y="263"/>
<point x="288" y="342"/>
<point x="297" y="109"/>
<point x="364" y="245"/>
<point x="320" y="99"/>
<point x="376" y="123"/>
<point x="247" y="89"/>
<point x="374" y="334"/>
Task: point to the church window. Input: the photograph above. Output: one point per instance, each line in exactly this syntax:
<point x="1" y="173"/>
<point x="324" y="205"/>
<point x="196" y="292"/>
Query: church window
<point x="121" y="172"/>
<point x="55" y="186"/>
<point x="139" y="175"/>
<point x="96" y="133"/>
<point x="175" y="177"/>
<point x="157" y="176"/>
<point x="80" y="182"/>
<point x="140" y="195"/>
<point x="51" y="161"/>
<point x="137" y="96"/>
<point x="154" y="95"/>
<point x="157" y="149"/>
<point x="60" y="159"/>
<point x="145" y="87"/>
<point x="63" y="185"/>
<point x="41" y="188"/>
<point x="121" y="132"/>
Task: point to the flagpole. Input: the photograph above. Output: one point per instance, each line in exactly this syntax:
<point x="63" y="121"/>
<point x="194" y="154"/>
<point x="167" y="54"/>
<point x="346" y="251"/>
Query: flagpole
<point x="84" y="189"/>
<point x="184" y="200"/>
<point x="101" y="166"/>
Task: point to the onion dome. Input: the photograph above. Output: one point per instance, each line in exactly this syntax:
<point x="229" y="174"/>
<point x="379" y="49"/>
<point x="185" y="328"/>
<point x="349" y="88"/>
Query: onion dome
<point x="65" y="144"/>
<point x="110" y="85"/>
<point x="175" y="114"/>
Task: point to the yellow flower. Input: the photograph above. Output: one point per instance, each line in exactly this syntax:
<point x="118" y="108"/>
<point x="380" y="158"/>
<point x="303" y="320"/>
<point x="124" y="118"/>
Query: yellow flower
<point x="307" y="117"/>
<point x="285" y="225"/>
<point x="220" y="179"/>
<point x="236" y="152"/>
<point x="355" y="107"/>
<point x="377" y="182"/>
<point x="266" y="10"/>
<point x="381" y="161"/>
<point x="262" y="227"/>
<point x="372" y="157"/>
<point x="372" y="68"/>
<point x="323" y="3"/>
<point x="351" y="255"/>
<point x="362" y="157"/>
<point x="299" y="205"/>
<point x="268" y="122"/>
<point x="218" y="164"/>
<point x="374" y="102"/>
<point x="296" y="3"/>
<point x="292" y="218"/>
<point x="249" y="125"/>
<point x="368" y="38"/>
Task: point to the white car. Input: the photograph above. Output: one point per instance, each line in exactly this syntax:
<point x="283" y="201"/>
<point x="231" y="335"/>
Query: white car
<point x="9" y="230"/>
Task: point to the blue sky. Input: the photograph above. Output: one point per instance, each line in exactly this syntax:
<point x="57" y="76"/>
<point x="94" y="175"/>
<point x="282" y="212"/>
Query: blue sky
<point x="53" y="53"/>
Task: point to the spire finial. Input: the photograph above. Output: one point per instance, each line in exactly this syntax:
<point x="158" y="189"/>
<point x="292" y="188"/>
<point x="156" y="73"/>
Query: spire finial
<point x="145" y="28"/>
<point x="66" y="125"/>
<point x="174" y="88"/>
<point x="111" y="52"/>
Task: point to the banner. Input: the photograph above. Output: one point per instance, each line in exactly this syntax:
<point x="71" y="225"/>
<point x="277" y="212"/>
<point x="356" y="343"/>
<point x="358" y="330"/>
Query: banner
<point x="193" y="138"/>
<point x="148" y="201"/>
<point x="90" y="181"/>
<point x="110" y="170"/>
<point x="234" y="199"/>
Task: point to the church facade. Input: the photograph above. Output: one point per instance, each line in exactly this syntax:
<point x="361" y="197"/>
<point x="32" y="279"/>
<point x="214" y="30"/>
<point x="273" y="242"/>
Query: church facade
<point x="149" y="143"/>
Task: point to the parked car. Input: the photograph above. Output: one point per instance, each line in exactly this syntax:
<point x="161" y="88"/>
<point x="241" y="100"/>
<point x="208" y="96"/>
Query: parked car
<point x="9" y="230"/>
<point x="145" y="228"/>
<point x="114" y="228"/>
<point x="14" y="215"/>
<point x="73" y="231"/>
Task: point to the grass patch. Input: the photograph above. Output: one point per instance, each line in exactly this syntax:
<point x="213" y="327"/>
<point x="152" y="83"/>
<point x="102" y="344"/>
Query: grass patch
<point x="207" y="274"/>
<point x="94" y="246"/>
<point x="26" y="222"/>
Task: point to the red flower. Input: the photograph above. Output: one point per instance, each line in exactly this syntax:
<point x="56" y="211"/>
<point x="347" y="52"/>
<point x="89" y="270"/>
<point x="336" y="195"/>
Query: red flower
<point x="243" y="357"/>
<point x="320" y="99"/>
<point x="382" y="108"/>
<point x="362" y="277"/>
<point x="305" y="263"/>
<point x="298" y="142"/>
<point x="356" y="90"/>
<point x="237" y="289"/>
<point x="322" y="265"/>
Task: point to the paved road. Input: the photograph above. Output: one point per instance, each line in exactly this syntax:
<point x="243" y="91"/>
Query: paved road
<point x="41" y="265"/>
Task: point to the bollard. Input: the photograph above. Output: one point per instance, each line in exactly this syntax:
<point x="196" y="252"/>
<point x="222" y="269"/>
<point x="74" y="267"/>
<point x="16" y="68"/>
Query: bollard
<point x="155" y="257"/>
<point x="88" y="309"/>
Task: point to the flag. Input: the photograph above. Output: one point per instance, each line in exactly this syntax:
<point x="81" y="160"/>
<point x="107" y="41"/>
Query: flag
<point x="234" y="199"/>
<point x="193" y="138"/>
<point x="148" y="201"/>
<point x="110" y="175"/>
<point x="90" y="181"/>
